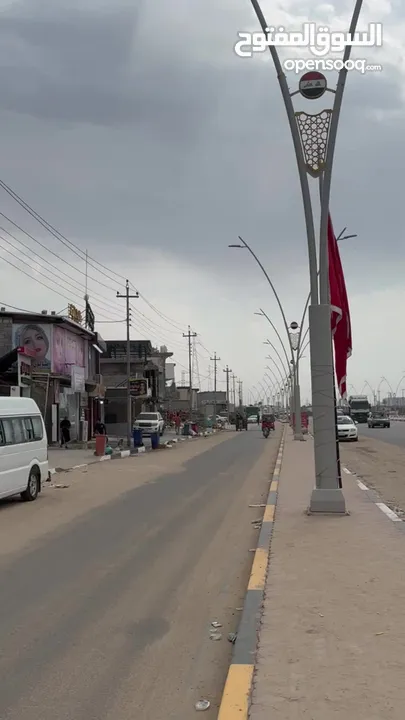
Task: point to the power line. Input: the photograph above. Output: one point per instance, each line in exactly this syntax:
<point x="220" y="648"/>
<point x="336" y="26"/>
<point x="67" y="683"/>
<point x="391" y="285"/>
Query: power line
<point x="215" y="360"/>
<point x="127" y="297"/>
<point x="63" y="286"/>
<point x="189" y="335"/>
<point x="228" y="372"/>
<point x="82" y="255"/>
<point x="72" y="246"/>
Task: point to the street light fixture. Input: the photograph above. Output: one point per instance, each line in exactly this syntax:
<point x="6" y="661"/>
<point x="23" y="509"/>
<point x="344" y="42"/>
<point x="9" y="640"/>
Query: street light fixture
<point x="314" y="141"/>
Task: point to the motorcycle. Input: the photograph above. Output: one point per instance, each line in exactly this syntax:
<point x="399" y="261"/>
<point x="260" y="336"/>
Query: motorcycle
<point x="266" y="432"/>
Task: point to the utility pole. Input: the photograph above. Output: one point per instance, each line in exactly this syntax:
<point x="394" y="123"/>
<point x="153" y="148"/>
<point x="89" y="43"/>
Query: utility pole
<point x="228" y="372"/>
<point x="234" y="391"/>
<point x="189" y="335"/>
<point x="128" y="297"/>
<point x="215" y="360"/>
<point x="240" y="385"/>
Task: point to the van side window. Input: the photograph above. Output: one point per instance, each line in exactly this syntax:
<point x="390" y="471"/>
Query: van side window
<point x="38" y="429"/>
<point x="2" y="438"/>
<point x="7" y="431"/>
<point x="20" y="435"/>
<point x="29" y="429"/>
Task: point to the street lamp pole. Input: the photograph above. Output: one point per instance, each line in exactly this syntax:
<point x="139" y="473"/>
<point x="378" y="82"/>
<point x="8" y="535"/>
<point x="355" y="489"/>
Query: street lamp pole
<point x="295" y="341"/>
<point x="298" y="429"/>
<point x="327" y="495"/>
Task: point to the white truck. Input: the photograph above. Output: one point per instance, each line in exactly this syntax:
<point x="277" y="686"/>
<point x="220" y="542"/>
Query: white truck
<point x="359" y="408"/>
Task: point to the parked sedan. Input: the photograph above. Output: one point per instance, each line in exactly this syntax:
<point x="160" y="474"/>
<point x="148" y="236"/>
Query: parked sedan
<point x="150" y="422"/>
<point x="347" y="429"/>
<point x="378" y="419"/>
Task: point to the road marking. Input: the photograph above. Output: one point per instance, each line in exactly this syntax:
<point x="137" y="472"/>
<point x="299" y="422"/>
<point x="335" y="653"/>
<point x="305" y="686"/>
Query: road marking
<point x="259" y="569"/>
<point x="388" y="512"/>
<point x="274" y="486"/>
<point x="346" y="471"/>
<point x="361" y="485"/>
<point x="235" y="700"/>
<point x="269" y="513"/>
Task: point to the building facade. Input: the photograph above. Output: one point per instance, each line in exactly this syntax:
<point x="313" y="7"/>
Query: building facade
<point x="55" y="361"/>
<point x="147" y="374"/>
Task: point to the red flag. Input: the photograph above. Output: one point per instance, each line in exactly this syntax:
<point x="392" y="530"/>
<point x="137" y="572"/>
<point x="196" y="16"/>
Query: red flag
<point x="340" y="320"/>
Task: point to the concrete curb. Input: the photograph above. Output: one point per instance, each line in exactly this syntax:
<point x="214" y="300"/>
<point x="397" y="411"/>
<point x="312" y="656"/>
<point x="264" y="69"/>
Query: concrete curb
<point x="235" y="701"/>
<point x="168" y="444"/>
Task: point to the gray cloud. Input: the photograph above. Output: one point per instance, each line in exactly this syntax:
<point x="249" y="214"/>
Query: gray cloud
<point x="143" y="126"/>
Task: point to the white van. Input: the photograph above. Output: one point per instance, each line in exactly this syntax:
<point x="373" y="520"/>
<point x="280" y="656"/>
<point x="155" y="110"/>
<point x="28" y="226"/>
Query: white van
<point x="23" y="448"/>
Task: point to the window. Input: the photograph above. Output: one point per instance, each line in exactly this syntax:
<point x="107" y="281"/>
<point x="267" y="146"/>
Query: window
<point x="29" y="429"/>
<point x="20" y="435"/>
<point x="2" y="438"/>
<point x="7" y="431"/>
<point x="38" y="429"/>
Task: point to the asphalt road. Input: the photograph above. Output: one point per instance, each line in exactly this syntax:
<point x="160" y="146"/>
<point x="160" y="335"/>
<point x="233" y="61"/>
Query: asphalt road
<point x="108" y="587"/>
<point x="395" y="435"/>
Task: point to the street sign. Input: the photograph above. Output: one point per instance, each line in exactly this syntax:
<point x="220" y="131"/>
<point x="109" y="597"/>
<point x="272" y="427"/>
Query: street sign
<point x="312" y="85"/>
<point x="75" y="314"/>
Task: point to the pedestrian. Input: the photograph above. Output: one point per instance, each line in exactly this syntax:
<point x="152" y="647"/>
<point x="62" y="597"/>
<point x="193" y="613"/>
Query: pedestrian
<point x="177" y="423"/>
<point x="65" y="432"/>
<point x="100" y="428"/>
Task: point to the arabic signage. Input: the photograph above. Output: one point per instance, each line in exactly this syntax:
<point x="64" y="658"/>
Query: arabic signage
<point x="67" y="350"/>
<point x="138" y="387"/>
<point x="74" y="314"/>
<point x="78" y="380"/>
<point x="24" y="363"/>
<point x="320" y="40"/>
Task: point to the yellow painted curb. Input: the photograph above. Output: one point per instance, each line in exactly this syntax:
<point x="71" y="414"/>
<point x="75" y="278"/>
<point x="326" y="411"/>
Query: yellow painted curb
<point x="259" y="569"/>
<point x="235" y="700"/>
<point x="238" y="687"/>
<point x="269" y="513"/>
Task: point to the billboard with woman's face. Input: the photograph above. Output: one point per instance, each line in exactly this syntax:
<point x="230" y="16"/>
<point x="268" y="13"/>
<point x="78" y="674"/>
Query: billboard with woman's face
<point x="36" y="338"/>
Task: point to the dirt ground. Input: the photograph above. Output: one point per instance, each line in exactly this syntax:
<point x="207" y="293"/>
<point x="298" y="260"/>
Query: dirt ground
<point x="380" y="466"/>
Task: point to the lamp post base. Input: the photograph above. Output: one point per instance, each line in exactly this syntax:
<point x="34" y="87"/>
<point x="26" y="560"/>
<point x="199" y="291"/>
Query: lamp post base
<point x="330" y="502"/>
<point x="298" y="436"/>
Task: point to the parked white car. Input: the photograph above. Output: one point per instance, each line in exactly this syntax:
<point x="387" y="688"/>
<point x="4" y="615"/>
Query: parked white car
<point x="252" y="420"/>
<point x="23" y="448"/>
<point x="150" y="422"/>
<point x="347" y="429"/>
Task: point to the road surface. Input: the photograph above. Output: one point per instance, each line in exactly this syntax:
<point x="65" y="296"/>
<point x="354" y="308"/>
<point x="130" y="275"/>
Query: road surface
<point x="395" y="435"/>
<point x="109" y="586"/>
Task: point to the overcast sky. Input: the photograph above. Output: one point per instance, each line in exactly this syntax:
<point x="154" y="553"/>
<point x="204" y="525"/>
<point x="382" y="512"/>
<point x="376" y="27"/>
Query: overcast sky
<point x="135" y="130"/>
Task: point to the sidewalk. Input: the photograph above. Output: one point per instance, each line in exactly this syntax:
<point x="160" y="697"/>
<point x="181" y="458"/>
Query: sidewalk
<point x="332" y="639"/>
<point x="61" y="459"/>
